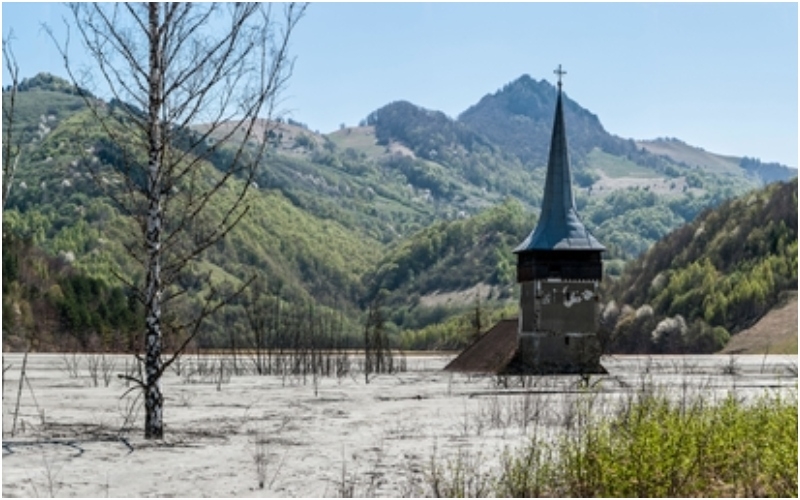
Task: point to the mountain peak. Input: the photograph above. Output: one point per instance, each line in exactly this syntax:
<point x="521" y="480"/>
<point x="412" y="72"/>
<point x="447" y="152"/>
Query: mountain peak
<point x="529" y="82"/>
<point x="49" y="82"/>
<point x="527" y="104"/>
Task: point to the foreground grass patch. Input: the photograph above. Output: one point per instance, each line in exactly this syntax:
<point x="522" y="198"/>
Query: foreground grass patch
<point x="653" y="447"/>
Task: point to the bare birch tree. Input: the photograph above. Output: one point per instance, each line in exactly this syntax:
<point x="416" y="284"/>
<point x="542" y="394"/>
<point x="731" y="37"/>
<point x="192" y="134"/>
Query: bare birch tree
<point x="195" y="80"/>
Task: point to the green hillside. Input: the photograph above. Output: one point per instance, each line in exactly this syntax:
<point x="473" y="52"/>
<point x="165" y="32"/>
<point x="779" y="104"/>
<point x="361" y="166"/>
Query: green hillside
<point x="430" y="257"/>
<point x="499" y="147"/>
<point x="708" y="279"/>
<point x="58" y="210"/>
<point x="412" y="206"/>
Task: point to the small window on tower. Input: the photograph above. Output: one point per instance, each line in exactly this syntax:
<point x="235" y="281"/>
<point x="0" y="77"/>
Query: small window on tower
<point x="566" y="340"/>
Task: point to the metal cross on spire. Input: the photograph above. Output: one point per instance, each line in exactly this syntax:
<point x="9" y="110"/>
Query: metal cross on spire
<point x="560" y="73"/>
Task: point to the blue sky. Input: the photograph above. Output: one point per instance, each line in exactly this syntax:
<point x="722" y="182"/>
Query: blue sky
<point x="721" y="76"/>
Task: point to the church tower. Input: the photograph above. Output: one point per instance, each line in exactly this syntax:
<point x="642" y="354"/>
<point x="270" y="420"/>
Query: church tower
<point x="559" y="269"/>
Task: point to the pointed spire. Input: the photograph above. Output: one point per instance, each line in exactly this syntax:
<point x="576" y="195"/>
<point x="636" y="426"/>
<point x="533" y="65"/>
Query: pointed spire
<point x="559" y="226"/>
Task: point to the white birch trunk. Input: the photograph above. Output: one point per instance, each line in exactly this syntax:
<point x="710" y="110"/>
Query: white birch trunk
<point x="154" y="400"/>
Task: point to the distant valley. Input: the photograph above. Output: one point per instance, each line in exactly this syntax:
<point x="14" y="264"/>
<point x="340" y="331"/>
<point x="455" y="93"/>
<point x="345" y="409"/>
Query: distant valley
<point x="408" y="206"/>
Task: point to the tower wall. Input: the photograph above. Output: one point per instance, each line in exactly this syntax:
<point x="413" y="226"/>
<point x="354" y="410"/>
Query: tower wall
<point x="557" y="354"/>
<point x="559" y="306"/>
<point x="559" y="312"/>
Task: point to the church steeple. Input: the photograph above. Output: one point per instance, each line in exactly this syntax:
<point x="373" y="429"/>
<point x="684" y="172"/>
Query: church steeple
<point x="559" y="270"/>
<point x="559" y="226"/>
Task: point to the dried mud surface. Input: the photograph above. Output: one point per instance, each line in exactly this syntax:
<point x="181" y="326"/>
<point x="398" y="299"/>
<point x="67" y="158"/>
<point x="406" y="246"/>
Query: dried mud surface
<point x="338" y="437"/>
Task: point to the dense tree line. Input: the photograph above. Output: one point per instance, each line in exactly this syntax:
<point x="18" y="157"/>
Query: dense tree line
<point x="427" y="133"/>
<point x="48" y="82"/>
<point x="433" y="136"/>
<point x="450" y="256"/>
<point x="50" y="305"/>
<point x="437" y="257"/>
<point x="767" y="172"/>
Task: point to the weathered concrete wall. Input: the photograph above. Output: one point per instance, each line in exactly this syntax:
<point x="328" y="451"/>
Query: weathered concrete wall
<point x="548" y="353"/>
<point x="557" y="328"/>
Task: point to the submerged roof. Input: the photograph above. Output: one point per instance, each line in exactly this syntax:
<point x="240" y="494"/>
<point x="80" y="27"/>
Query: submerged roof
<point x="491" y="352"/>
<point x="559" y="226"/>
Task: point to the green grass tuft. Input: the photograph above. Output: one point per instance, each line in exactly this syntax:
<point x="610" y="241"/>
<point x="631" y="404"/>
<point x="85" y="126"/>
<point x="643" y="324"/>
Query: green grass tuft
<point x="655" y="447"/>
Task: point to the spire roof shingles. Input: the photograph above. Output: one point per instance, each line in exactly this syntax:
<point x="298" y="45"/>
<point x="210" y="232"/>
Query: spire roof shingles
<point x="559" y="226"/>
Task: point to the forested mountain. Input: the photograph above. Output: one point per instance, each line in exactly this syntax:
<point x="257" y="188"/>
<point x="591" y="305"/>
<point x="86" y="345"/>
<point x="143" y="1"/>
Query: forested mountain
<point x="518" y="118"/>
<point x="630" y="193"/>
<point x="466" y="157"/>
<point x="58" y="208"/>
<point x="408" y="207"/>
<point x="708" y="279"/>
<point x="450" y="256"/>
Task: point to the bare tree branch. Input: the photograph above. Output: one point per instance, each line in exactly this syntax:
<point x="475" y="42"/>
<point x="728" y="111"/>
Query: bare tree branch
<point x="209" y="308"/>
<point x="10" y="147"/>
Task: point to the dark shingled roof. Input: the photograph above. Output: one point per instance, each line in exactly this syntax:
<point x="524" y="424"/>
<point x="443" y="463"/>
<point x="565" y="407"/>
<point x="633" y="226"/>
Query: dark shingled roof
<point x="495" y="352"/>
<point x="491" y="352"/>
<point x="559" y="226"/>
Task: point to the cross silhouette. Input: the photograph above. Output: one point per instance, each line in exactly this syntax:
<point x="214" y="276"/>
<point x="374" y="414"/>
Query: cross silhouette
<point x="560" y="73"/>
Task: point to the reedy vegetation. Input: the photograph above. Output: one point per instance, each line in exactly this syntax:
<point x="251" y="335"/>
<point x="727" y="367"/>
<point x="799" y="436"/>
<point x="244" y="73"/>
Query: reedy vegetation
<point x="652" y="446"/>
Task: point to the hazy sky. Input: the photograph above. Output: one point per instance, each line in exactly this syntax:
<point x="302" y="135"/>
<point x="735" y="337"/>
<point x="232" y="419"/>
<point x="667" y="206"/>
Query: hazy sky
<point x="722" y="76"/>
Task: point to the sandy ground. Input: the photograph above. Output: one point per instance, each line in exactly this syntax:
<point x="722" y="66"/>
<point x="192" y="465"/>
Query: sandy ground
<point x="339" y="437"/>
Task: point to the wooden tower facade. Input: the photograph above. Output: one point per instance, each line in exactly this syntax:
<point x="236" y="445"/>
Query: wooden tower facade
<point x="559" y="269"/>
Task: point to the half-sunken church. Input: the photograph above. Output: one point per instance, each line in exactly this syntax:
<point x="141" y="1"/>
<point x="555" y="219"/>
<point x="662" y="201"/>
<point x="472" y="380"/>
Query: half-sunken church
<point x="559" y="268"/>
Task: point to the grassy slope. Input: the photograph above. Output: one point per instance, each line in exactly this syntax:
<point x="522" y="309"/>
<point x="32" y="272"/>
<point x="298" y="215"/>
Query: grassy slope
<point x="775" y="333"/>
<point x="361" y="139"/>
<point x="616" y="167"/>
<point x="692" y="156"/>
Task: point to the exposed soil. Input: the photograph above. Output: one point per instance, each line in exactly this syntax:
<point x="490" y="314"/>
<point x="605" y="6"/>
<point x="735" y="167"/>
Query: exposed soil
<point x="775" y="333"/>
<point x="459" y="298"/>
<point x="662" y="186"/>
